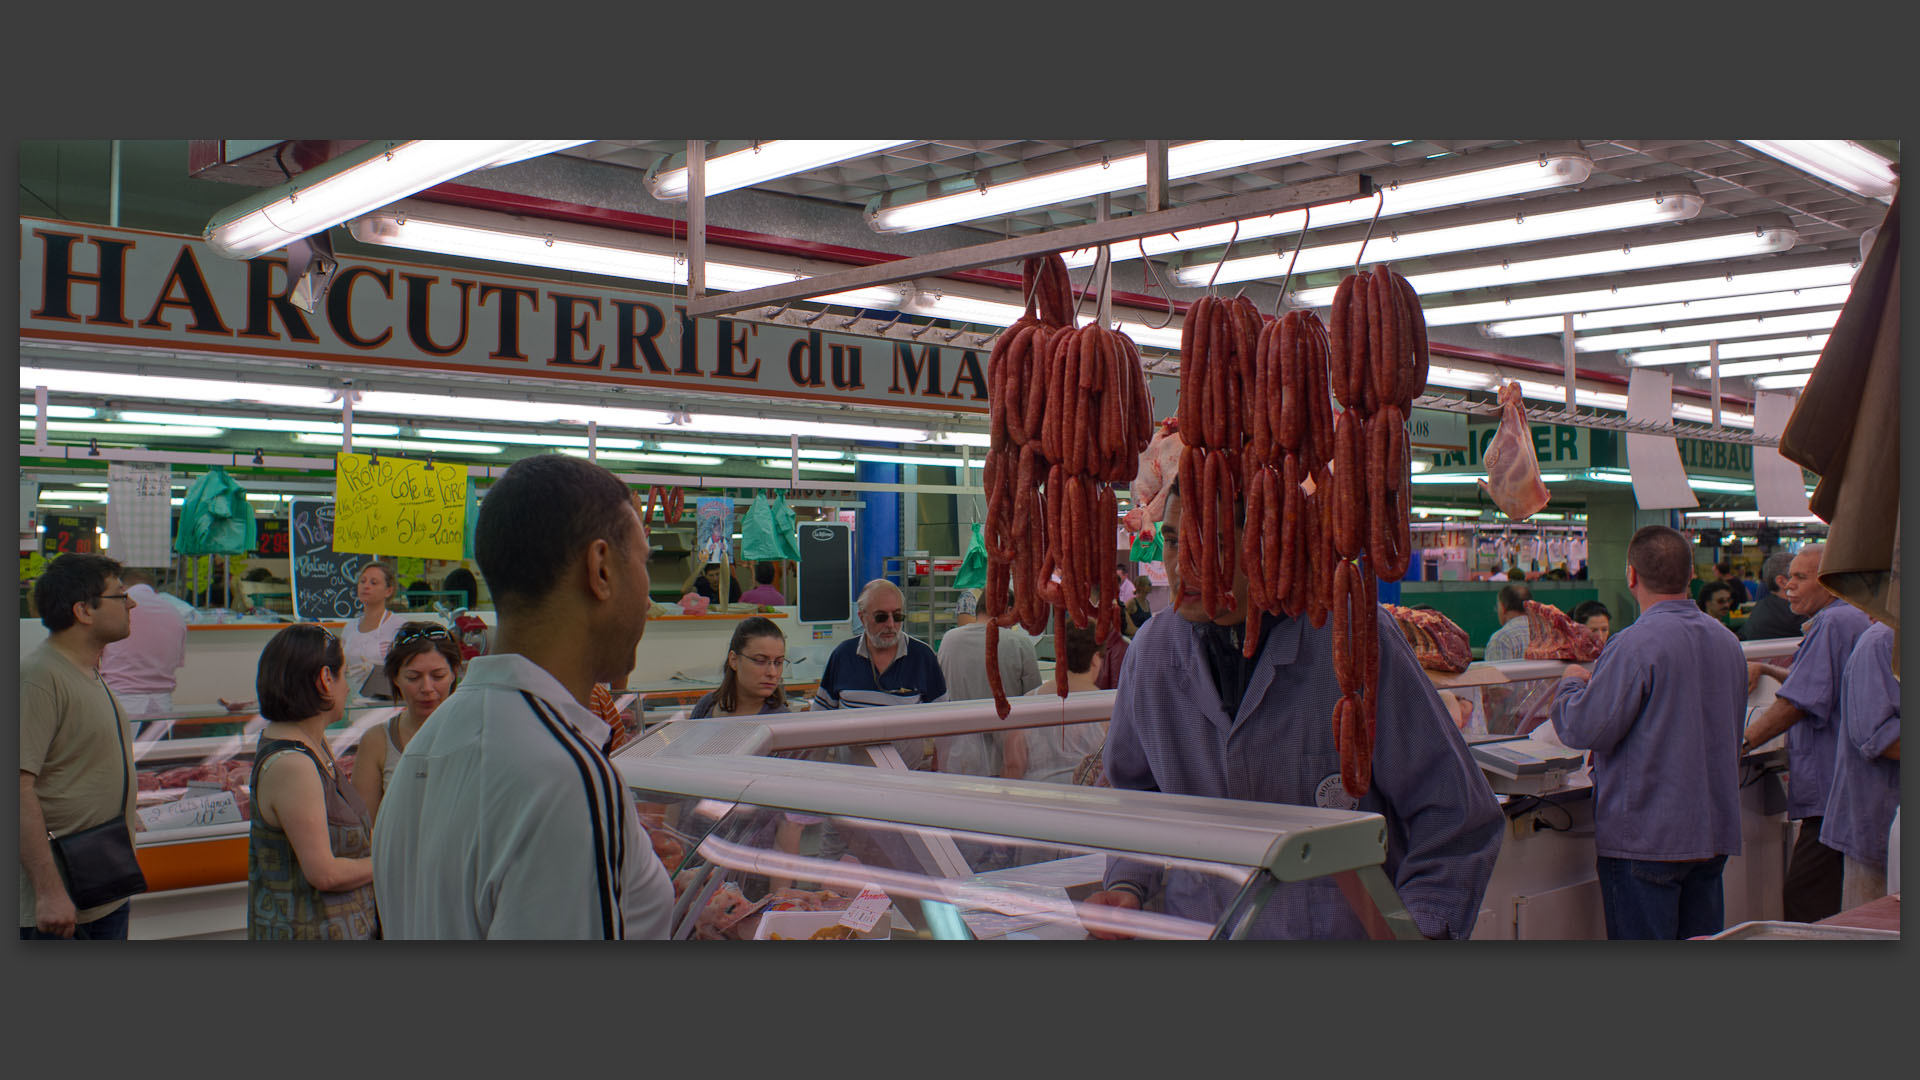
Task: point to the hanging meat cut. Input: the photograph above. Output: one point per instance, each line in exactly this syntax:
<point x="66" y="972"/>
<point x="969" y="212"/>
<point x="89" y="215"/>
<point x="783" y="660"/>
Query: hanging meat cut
<point x="1438" y="642"/>
<point x="1513" y="470"/>
<point x="1551" y="635"/>
<point x="1159" y="466"/>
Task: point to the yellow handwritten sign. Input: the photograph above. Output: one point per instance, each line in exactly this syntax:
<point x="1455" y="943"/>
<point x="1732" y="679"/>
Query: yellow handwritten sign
<point x="395" y="506"/>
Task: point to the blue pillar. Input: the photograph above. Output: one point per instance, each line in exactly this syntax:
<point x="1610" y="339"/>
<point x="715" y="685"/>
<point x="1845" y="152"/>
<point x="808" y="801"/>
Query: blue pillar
<point x="877" y="533"/>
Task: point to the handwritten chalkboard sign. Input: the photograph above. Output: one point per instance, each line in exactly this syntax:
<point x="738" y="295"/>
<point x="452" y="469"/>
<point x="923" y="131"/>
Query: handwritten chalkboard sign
<point x="323" y="579"/>
<point x="397" y="506"/>
<point x="826" y="572"/>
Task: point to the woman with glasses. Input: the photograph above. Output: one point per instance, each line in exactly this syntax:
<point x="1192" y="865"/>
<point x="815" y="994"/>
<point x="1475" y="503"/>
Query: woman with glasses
<point x="310" y="845"/>
<point x="753" y="676"/>
<point x="424" y="667"/>
<point x="367" y="638"/>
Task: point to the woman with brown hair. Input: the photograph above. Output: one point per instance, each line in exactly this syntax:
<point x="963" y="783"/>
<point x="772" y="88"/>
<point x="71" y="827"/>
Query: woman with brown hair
<point x="368" y="637"/>
<point x="424" y="667"/>
<point x="753" y="676"/>
<point x="310" y="846"/>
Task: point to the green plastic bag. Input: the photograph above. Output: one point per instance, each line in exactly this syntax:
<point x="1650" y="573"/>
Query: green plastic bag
<point x="786" y="525"/>
<point x="973" y="566"/>
<point x="1147" y="550"/>
<point x="215" y="518"/>
<point x="759" y="534"/>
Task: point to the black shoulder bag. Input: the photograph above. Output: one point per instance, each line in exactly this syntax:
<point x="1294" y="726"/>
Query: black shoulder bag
<point x="98" y="864"/>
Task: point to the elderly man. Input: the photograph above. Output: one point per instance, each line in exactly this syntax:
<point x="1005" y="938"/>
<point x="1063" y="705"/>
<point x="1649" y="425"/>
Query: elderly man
<point x="504" y="818"/>
<point x="76" y="757"/>
<point x="963" y="663"/>
<point x="1773" y="617"/>
<point x="1193" y="716"/>
<point x="1662" y="712"/>
<point x="883" y="666"/>
<point x="140" y="668"/>
<point x="1807" y="708"/>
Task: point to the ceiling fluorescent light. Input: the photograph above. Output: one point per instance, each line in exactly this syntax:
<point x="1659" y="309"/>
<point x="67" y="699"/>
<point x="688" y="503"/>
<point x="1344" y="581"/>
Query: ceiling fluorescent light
<point x="74" y="496"/>
<point x="1737" y="350"/>
<point x="1405" y="197"/>
<point x="732" y="450"/>
<point x="397" y="444"/>
<point x="1586" y="300"/>
<point x="520" y="439"/>
<point x="1626" y="258"/>
<point x="362" y="179"/>
<point x="154" y="386"/>
<point x="586" y="249"/>
<point x="1704" y="484"/>
<point x="646" y="458"/>
<point x="1659" y="314"/>
<point x="1700" y="414"/>
<point x="979" y="199"/>
<point x="1743" y="368"/>
<point x="1460" y="378"/>
<point x="910" y="459"/>
<point x="1838" y="161"/>
<point x="809" y="466"/>
<point x="252" y="423"/>
<point x="1447" y="478"/>
<point x="58" y="412"/>
<point x="766" y="161"/>
<point x="1721" y="331"/>
<point x="1519" y="227"/>
<point x="1783" y="382"/>
<point x="964" y="438"/>
<point x="179" y="431"/>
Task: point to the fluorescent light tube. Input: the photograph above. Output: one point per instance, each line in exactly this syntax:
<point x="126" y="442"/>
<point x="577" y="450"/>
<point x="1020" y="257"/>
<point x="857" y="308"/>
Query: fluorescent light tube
<point x="911" y="459"/>
<point x="1620" y="260"/>
<point x="730" y="450"/>
<point x="584" y="249"/>
<point x="1588" y="300"/>
<point x="155" y="386"/>
<point x="517" y="439"/>
<point x="809" y="466"/>
<point x="1409" y="197"/>
<point x="1783" y="382"/>
<point x="58" y="412"/>
<point x="1721" y="331"/>
<point x="1702" y="484"/>
<point x="1736" y="350"/>
<point x="180" y="431"/>
<point x="1085" y="182"/>
<point x="1838" y="161"/>
<point x="1520" y="228"/>
<point x="1700" y="414"/>
<point x="251" y="423"/>
<point x="335" y="441"/>
<point x="1744" y="368"/>
<point x="1830" y="296"/>
<point x="74" y="496"/>
<point x="362" y="179"/>
<point x="647" y="458"/>
<point x="964" y="438"/>
<point x="1447" y="478"/>
<point x="766" y="161"/>
<point x="1461" y="378"/>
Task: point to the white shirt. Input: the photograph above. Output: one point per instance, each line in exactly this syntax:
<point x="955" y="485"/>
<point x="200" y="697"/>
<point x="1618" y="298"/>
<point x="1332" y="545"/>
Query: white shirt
<point x="145" y="660"/>
<point x="963" y="660"/>
<point x="505" y="820"/>
<point x="367" y="649"/>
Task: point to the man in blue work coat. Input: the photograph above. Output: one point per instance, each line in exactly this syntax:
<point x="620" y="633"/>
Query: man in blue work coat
<point x="1661" y="711"/>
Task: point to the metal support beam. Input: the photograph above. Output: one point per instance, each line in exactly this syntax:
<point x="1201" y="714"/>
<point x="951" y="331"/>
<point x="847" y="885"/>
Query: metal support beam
<point x="1713" y="364"/>
<point x="346" y="416"/>
<point x="1156" y="175"/>
<point x="1566" y="355"/>
<point x="593" y="440"/>
<point x="39" y="416"/>
<point x="1103" y="267"/>
<point x="696" y="222"/>
<point x="1097" y="234"/>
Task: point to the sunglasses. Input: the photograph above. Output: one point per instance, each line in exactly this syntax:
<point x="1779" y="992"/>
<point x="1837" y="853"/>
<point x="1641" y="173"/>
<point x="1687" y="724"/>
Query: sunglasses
<point x="882" y="616"/>
<point x="430" y="633"/>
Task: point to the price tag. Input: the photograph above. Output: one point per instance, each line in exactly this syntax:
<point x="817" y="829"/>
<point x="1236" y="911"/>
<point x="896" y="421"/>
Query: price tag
<point x="867" y="908"/>
<point x="215" y="809"/>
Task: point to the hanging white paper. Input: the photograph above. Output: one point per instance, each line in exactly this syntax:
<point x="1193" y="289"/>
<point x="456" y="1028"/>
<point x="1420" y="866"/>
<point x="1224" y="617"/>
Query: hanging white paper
<point x="140" y="513"/>
<point x="29" y="504"/>
<point x="1779" y="489"/>
<point x="1659" y="479"/>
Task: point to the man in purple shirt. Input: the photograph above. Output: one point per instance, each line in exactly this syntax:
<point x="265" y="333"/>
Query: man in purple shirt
<point x="1193" y="717"/>
<point x="1807" y="708"/>
<point x="1661" y="712"/>
<point x="763" y="591"/>
<point x="1866" y="769"/>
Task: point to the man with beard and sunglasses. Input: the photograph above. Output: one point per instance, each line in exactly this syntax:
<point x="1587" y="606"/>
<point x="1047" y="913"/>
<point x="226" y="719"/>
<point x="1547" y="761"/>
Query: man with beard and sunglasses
<point x="883" y="666"/>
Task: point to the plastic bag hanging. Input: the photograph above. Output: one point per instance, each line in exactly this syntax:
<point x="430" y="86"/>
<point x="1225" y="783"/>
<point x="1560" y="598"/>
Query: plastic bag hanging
<point x="215" y="518"/>
<point x="1147" y="548"/>
<point x="759" y="535"/>
<point x="973" y="566"/>
<point x="786" y="526"/>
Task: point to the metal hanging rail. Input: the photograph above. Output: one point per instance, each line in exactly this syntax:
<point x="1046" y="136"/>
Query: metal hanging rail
<point x="1577" y="417"/>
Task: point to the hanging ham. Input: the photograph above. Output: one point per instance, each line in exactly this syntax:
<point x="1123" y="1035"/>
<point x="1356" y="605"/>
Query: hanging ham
<point x="1513" y="472"/>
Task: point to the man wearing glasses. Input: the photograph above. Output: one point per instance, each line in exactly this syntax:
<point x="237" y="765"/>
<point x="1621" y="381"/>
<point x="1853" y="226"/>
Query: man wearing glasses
<point x="883" y="666"/>
<point x="75" y="746"/>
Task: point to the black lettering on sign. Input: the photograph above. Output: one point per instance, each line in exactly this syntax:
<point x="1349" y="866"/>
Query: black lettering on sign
<point x="186" y="278"/>
<point x="59" y="277"/>
<point x="263" y="303"/>
<point x="689" y="343"/>
<point x="969" y="372"/>
<point x="340" y="305"/>
<point x="419" y="292"/>
<point x="928" y="362"/>
<point x="846" y="367"/>
<point x="507" y="345"/>
<point x="1566" y="439"/>
<point x="803" y="361"/>
<point x="566" y="329"/>
<point x="727" y="346"/>
<point x="645" y="341"/>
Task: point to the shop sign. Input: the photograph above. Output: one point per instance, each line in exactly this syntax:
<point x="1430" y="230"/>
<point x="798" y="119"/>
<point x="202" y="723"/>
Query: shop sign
<point x="1559" y="447"/>
<point x="88" y="284"/>
<point x="1435" y="429"/>
<point x="399" y="506"/>
<point x="69" y="533"/>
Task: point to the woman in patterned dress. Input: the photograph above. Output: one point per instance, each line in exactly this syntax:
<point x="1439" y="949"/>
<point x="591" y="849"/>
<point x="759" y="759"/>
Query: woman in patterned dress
<point x="310" y="847"/>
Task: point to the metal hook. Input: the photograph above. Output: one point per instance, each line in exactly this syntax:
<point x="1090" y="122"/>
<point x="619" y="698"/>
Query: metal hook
<point x="1153" y="275"/>
<point x="1223" y="258"/>
<point x="1305" y="224"/>
<point x="1381" y="196"/>
<point x="809" y="321"/>
<point x="1085" y="289"/>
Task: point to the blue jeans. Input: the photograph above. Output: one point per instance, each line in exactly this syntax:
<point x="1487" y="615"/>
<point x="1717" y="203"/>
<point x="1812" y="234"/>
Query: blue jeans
<point x="1662" y="901"/>
<point x="109" y="927"/>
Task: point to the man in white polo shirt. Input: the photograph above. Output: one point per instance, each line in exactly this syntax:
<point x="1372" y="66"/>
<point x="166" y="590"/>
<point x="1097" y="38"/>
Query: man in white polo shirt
<point x="504" y="818"/>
